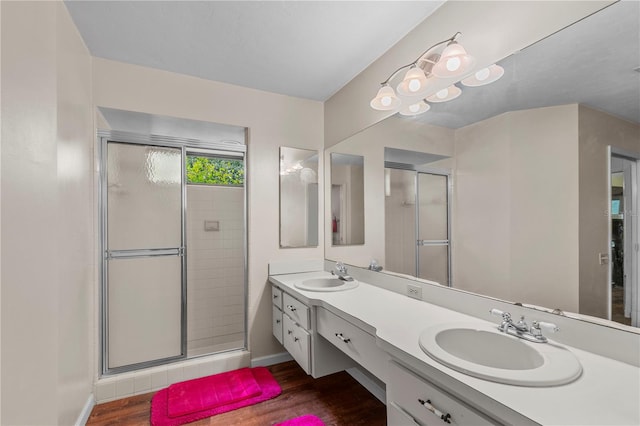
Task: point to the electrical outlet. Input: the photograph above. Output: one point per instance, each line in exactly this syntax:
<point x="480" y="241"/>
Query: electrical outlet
<point x="414" y="291"/>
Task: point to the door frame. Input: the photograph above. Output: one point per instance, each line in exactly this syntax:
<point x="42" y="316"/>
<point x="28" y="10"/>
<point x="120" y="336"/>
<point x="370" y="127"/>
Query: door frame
<point x="630" y="263"/>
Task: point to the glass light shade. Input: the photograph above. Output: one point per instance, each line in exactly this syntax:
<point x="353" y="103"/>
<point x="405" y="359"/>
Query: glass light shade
<point x="445" y="95"/>
<point x="415" y="109"/>
<point x="484" y="76"/>
<point x="385" y="100"/>
<point x="414" y="83"/>
<point x="453" y="62"/>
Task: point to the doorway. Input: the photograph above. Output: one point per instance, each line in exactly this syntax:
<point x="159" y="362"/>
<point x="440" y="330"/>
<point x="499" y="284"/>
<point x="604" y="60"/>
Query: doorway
<point x="623" y="288"/>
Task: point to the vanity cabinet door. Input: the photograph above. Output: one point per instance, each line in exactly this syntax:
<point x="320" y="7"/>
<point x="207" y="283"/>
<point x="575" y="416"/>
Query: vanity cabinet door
<point x="277" y="323"/>
<point x="297" y="342"/>
<point x="298" y="311"/>
<point x="276" y="296"/>
<point x="406" y="390"/>
<point x="353" y="341"/>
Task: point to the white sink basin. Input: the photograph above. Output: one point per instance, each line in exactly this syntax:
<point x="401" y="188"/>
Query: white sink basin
<point x="484" y="352"/>
<point x="326" y="284"/>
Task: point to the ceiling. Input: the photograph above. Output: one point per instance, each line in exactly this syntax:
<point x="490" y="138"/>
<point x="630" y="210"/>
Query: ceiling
<point x="306" y="49"/>
<point x="592" y="62"/>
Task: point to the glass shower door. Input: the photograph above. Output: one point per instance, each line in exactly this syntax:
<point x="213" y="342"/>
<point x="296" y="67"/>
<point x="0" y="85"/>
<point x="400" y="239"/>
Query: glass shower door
<point x="433" y="228"/>
<point x="144" y="256"/>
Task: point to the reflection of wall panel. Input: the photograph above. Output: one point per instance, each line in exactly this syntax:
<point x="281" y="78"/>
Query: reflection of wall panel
<point x="515" y="223"/>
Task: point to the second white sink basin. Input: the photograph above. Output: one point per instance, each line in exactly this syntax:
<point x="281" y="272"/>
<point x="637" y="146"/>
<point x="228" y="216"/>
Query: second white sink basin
<point x="484" y="352"/>
<point x="326" y="284"/>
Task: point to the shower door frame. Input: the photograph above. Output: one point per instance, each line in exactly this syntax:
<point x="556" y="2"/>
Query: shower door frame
<point x="185" y="145"/>
<point x="438" y="172"/>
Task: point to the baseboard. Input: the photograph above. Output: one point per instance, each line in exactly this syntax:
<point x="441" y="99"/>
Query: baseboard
<point x="265" y="361"/>
<point x="83" y="417"/>
<point x="369" y="384"/>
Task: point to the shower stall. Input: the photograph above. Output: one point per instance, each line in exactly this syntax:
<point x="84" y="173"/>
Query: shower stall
<point x="417" y="222"/>
<point x="173" y="244"/>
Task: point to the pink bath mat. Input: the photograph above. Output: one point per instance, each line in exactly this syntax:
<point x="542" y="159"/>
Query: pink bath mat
<point x="211" y="392"/>
<point x="306" y="420"/>
<point x="197" y="399"/>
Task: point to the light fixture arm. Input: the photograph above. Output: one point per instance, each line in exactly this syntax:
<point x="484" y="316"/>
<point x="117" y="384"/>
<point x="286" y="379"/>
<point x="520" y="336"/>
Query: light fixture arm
<point x="414" y="63"/>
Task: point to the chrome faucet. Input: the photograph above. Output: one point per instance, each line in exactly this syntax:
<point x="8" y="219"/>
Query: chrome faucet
<point x="521" y="329"/>
<point x="341" y="272"/>
<point x="374" y="266"/>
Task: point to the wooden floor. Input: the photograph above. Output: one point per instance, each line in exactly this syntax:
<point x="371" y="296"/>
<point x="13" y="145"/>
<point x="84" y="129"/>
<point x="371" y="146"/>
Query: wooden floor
<point x="337" y="399"/>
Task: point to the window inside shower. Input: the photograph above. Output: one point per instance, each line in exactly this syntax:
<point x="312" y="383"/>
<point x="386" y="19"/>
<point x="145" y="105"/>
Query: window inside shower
<point x="174" y="243"/>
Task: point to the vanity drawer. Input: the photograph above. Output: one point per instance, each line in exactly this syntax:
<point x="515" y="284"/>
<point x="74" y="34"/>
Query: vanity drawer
<point x="358" y="344"/>
<point x="297" y="342"/>
<point x="276" y="296"/>
<point x="405" y="389"/>
<point x="298" y="311"/>
<point x="396" y="416"/>
<point x="277" y="323"/>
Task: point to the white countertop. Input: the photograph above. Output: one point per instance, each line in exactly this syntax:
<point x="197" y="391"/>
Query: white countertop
<point x="607" y="392"/>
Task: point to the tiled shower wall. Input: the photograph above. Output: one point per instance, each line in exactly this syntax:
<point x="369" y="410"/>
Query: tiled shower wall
<point x="215" y="269"/>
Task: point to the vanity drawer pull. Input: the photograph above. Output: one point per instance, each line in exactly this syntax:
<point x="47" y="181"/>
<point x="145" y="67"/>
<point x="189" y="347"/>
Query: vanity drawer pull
<point x="341" y="337"/>
<point x="275" y="296"/>
<point x="427" y="404"/>
<point x="295" y="339"/>
<point x="278" y="321"/>
<point x="289" y="332"/>
<point x="291" y="308"/>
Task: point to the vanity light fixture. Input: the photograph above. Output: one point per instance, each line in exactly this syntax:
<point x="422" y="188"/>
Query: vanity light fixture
<point x="415" y="109"/>
<point x="386" y="99"/>
<point x="445" y="94"/>
<point x="484" y="76"/>
<point x="453" y="61"/>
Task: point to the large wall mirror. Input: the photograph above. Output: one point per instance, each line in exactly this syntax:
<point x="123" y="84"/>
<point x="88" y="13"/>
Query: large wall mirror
<point x="518" y="178"/>
<point x="299" y="208"/>
<point x="347" y="199"/>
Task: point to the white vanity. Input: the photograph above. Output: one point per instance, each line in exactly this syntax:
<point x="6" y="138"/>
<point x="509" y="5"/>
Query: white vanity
<point x="380" y="330"/>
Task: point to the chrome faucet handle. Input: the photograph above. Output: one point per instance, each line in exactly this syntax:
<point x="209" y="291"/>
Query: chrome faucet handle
<point x="506" y="316"/>
<point x="536" y="330"/>
<point x="547" y="326"/>
<point x="522" y="324"/>
<point x="506" y="319"/>
<point x="341" y="268"/>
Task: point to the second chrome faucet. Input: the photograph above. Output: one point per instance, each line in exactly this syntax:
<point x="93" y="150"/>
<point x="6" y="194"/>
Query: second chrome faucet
<point x="522" y="330"/>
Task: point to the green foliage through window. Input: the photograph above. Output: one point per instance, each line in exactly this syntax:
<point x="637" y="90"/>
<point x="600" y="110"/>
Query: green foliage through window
<point x="215" y="171"/>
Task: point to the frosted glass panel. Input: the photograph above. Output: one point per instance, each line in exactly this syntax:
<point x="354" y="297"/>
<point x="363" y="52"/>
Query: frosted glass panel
<point x="434" y="263"/>
<point x="144" y="196"/>
<point x="432" y="196"/>
<point x="144" y="309"/>
<point x="400" y="221"/>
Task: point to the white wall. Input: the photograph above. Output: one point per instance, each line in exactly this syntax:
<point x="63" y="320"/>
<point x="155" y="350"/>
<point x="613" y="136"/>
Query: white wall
<point x="273" y="121"/>
<point x="515" y="231"/>
<point x="47" y="234"/>
<point x="504" y="28"/>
